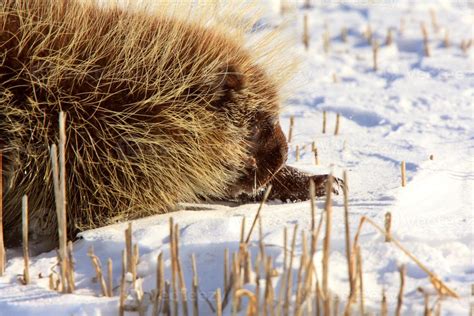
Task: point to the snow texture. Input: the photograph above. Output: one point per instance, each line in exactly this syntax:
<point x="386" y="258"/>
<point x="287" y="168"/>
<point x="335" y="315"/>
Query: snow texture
<point x="412" y="107"/>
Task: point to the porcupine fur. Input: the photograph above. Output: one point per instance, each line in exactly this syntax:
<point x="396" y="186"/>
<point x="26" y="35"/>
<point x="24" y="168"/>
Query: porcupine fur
<point x="161" y="108"/>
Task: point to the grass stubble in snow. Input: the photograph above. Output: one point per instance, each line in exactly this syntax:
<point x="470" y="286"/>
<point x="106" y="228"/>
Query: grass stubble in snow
<point x="243" y="279"/>
<point x="413" y="106"/>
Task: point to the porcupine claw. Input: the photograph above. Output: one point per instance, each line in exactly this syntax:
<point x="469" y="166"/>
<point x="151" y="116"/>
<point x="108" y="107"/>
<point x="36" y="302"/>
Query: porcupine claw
<point x="290" y="184"/>
<point x="321" y="184"/>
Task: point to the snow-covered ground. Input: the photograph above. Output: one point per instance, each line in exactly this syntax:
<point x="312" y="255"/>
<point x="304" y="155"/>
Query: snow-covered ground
<point x="412" y="107"/>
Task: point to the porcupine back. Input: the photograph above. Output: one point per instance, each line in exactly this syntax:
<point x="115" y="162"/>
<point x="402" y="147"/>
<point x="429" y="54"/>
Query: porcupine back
<point x="153" y="113"/>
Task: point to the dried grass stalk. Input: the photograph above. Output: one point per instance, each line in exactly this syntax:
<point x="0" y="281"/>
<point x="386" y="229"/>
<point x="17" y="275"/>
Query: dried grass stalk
<point x="285" y="249"/>
<point x="384" y="305"/>
<point x="57" y="284"/>
<point x="2" y="245"/>
<point x="426" y="297"/>
<point x="389" y="38"/>
<point x="183" y="289"/>
<point x="388" y="226"/>
<point x="465" y="45"/>
<point x="51" y="282"/>
<point x="174" y="268"/>
<point x="252" y="307"/>
<point x="305" y="32"/>
<point x="336" y="129"/>
<point x="247" y="267"/>
<point x="324" y="122"/>
<point x="236" y="283"/>
<point x="356" y="237"/>
<point x="135" y="257"/>
<point x="241" y="263"/>
<point x="122" y="285"/>
<point x="437" y="311"/>
<point x="310" y="269"/>
<point x="128" y="247"/>
<point x="348" y="236"/>
<point x="269" y="291"/>
<point x="257" y="215"/>
<point x="375" y="51"/>
<point x="297" y="153"/>
<point x="326" y="40"/>
<point x="361" y="281"/>
<point x="281" y="291"/>
<point x="312" y="205"/>
<point x="304" y="248"/>
<point x="318" y="299"/>
<point x="110" y="278"/>
<point x="327" y="245"/>
<point x="288" y="282"/>
<point x="316" y="156"/>
<point x="283" y="7"/>
<point x="398" y="311"/>
<point x="299" y="280"/>
<point x="226" y="270"/>
<point x="261" y="245"/>
<point x="242" y="230"/>
<point x="167" y="305"/>
<point x="446" y="41"/>
<point x="352" y="295"/>
<point x="141" y="308"/>
<point x="70" y="269"/>
<point x="160" y="279"/>
<point x="404" y="177"/>
<point x="58" y="163"/>
<point x="336" y="306"/>
<point x="61" y="232"/>
<point x="98" y="270"/>
<point x="195" y="286"/>
<point x="257" y="283"/>
<point x="26" y="255"/>
<point x="182" y="284"/>
<point x="426" y="44"/>
<point x="290" y="131"/>
<point x="61" y="212"/>
<point x="307" y="295"/>
<point x="218" y="303"/>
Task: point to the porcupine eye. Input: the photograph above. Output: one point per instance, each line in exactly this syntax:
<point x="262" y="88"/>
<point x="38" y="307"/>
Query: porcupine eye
<point x="254" y="130"/>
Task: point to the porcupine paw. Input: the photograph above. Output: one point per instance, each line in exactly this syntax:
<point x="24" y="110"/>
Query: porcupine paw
<point x="321" y="183"/>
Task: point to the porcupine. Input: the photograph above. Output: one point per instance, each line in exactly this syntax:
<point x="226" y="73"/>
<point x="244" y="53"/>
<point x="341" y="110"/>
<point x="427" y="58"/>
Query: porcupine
<point x="160" y="110"/>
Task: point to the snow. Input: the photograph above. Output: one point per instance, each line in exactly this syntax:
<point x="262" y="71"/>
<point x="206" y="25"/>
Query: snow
<point x="411" y="108"/>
